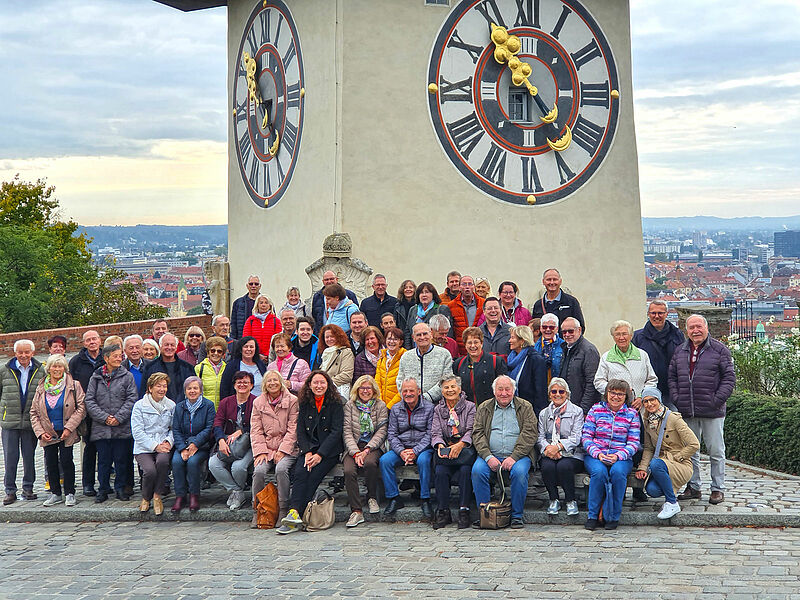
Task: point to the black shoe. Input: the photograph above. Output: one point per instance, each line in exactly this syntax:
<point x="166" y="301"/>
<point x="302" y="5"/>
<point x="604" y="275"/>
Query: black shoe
<point x="407" y="484"/>
<point x="128" y="489"/>
<point x="517" y="523"/>
<point x="443" y="519"/>
<point x="639" y="495"/>
<point x="337" y="484"/>
<point x="427" y="510"/>
<point x="88" y="490"/>
<point x="123" y="495"/>
<point x="591" y="524"/>
<point x="100" y="497"/>
<point x="394" y="504"/>
<point x="611" y="525"/>
<point x="463" y="518"/>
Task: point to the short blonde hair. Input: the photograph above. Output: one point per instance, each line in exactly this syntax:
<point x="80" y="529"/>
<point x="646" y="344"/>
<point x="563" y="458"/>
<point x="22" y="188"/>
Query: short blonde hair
<point x="271" y="372"/>
<point x="524" y="333"/>
<point x="193" y="329"/>
<point x="267" y="298"/>
<point x="365" y="379"/>
<point x="56" y="359"/>
<point x="620" y="323"/>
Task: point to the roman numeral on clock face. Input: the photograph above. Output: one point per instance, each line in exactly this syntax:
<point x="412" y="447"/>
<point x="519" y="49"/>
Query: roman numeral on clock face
<point x="460" y="91"/>
<point x="490" y="12"/>
<point x="594" y="94"/>
<point x="587" y="135"/>
<point x="527" y="14"/>
<point x="473" y="51"/>
<point x="493" y="167"/>
<point x="466" y="133"/>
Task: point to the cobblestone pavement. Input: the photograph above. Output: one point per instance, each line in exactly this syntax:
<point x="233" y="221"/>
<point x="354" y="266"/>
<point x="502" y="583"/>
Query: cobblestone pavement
<point x="215" y="561"/>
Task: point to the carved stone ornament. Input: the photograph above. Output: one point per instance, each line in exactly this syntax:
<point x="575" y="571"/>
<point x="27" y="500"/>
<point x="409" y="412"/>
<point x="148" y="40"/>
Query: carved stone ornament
<point x="337" y="245"/>
<point x="218" y="282"/>
<point x="353" y="273"/>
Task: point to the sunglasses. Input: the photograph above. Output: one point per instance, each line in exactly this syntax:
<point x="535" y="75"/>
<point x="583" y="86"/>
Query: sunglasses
<point x="568" y="331"/>
<point x="253" y="284"/>
<point x="558" y="392"/>
<point x="195" y="335"/>
<point x="216" y="351"/>
<point x="547" y="327"/>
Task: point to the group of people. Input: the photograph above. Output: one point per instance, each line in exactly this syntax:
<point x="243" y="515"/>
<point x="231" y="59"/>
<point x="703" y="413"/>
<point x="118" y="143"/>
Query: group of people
<point x="466" y="388"/>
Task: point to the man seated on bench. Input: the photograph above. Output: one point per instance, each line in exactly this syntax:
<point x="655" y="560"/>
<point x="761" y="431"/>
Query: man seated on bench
<point x="504" y="435"/>
<point x="409" y="437"/>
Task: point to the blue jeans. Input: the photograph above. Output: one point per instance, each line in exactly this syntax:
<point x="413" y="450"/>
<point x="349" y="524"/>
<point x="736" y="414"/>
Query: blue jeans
<point x="660" y="483"/>
<point x="481" y="473"/>
<point x="389" y="463"/>
<point x="188" y="473"/>
<point x="607" y="487"/>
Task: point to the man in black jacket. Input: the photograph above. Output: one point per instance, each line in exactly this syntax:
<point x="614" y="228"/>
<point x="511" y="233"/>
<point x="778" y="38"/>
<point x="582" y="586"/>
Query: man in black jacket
<point x="556" y="300"/>
<point x="379" y="302"/>
<point x="659" y="338"/>
<point x="81" y="367"/>
<point x="579" y="365"/>
<point x="304" y="342"/>
<point x="177" y="370"/>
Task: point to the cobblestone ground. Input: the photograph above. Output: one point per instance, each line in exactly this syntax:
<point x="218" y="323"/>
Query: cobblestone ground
<point x="183" y="561"/>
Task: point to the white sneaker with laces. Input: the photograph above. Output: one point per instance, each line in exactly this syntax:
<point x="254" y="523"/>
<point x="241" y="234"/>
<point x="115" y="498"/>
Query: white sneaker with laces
<point x="231" y="496"/>
<point x="52" y="500"/>
<point x="238" y="500"/>
<point x="374" y="507"/>
<point x="572" y="508"/>
<point x="70" y="501"/>
<point x="554" y="507"/>
<point x="670" y="509"/>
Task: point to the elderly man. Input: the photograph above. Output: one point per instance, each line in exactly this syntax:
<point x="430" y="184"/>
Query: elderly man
<point x="550" y="345"/>
<point x="452" y="289"/>
<point x="701" y="379"/>
<point x="426" y="363"/>
<point x="358" y="323"/>
<point x="579" y="364"/>
<point x="466" y="310"/>
<point x="288" y="325"/>
<point x="132" y="347"/>
<point x="243" y="307"/>
<point x="659" y="338"/>
<point x="221" y="326"/>
<point x="379" y="302"/>
<point x="504" y="436"/>
<point x="556" y="300"/>
<point x="318" y="302"/>
<point x="81" y="367"/>
<point x="440" y="328"/>
<point x="304" y="342"/>
<point x="496" y="333"/>
<point x="18" y="380"/>
<point x="409" y="440"/>
<point x="167" y="362"/>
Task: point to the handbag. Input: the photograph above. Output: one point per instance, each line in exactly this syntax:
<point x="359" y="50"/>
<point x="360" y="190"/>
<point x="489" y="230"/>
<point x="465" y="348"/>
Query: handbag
<point x="266" y="507"/>
<point x="661" y="431"/>
<point x="496" y="515"/>
<point x="319" y="515"/>
<point x="237" y="450"/>
<point x="465" y="457"/>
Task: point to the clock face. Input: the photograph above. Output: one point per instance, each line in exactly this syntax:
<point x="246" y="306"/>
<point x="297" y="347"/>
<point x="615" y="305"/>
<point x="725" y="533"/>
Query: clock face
<point x="268" y="100"/>
<point x="523" y="134"/>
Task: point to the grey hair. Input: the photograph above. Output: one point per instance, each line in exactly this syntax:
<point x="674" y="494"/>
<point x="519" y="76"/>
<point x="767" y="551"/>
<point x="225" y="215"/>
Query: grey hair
<point x="660" y="303"/>
<point x="549" y="318"/>
<point x="134" y="336"/>
<point x="574" y="320"/>
<point x="378" y="275"/>
<point x="111" y="348"/>
<point x="18" y="343"/>
<point x="216" y="318"/>
<point x="438" y="322"/>
<point x="56" y="359"/>
<point x="163" y="337"/>
<point x="550" y="269"/>
<point x="290" y="310"/>
<point x="249" y="277"/>
<point x="497" y="380"/>
<point x="193" y="379"/>
<point x="447" y="378"/>
<point x="293" y="288"/>
<point x="414" y="379"/>
<point x="692" y="316"/>
<point x="621" y="323"/>
<point x="559" y="381"/>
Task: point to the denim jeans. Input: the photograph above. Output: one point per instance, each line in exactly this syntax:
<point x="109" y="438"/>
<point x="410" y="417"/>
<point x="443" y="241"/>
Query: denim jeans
<point x="188" y="473"/>
<point x="607" y="487"/>
<point x="481" y="473"/>
<point x="389" y="463"/>
<point x="660" y="483"/>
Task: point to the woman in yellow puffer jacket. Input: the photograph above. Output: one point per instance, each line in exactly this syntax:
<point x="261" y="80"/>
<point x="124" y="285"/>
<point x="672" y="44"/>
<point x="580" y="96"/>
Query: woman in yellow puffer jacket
<point x="210" y="369"/>
<point x="388" y="365"/>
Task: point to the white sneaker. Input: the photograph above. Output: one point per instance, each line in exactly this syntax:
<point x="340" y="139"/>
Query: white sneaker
<point x="670" y="509"/>
<point x="70" y="501"/>
<point x="52" y="500"/>
<point x="554" y="507"/>
<point x="231" y="496"/>
<point x="238" y="500"/>
<point x="572" y="508"/>
<point x="374" y="507"/>
<point x="356" y="518"/>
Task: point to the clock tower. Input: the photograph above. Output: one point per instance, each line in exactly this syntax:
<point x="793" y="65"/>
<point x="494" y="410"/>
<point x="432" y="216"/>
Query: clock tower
<point x="494" y="137"/>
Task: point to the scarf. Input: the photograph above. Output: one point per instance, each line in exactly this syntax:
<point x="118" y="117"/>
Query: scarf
<point x="217" y="366"/>
<point x="507" y="316"/>
<point x="193" y="406"/>
<point x="422" y="313"/>
<point x="274" y="401"/>
<point x="558" y="412"/>
<point x="516" y="362"/>
<point x="372" y="358"/>
<point x="364" y="415"/>
<point x="106" y="374"/>
<point x="452" y="420"/>
<point x="261" y="316"/>
<point x="318" y="400"/>
<point x="654" y="419"/>
<point x="160" y="405"/>
<point x="618" y="356"/>
<point x="280" y="360"/>
<point x="53" y="391"/>
<point x="295" y="307"/>
<point x="328" y="355"/>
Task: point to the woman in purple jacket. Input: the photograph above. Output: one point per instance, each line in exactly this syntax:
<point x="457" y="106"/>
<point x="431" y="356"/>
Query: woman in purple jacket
<point x="610" y="438"/>
<point x="451" y="438"/>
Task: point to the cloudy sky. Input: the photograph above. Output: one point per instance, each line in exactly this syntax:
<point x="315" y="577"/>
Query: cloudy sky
<point x="121" y="105"/>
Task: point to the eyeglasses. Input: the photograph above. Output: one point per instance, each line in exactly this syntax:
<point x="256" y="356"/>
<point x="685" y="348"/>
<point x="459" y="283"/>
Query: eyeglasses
<point x="216" y="351"/>
<point x="253" y="284"/>
<point x="617" y="394"/>
<point x="649" y="399"/>
<point x="570" y="331"/>
<point x="547" y="327"/>
<point x="556" y="392"/>
<point x="508" y="293"/>
<point x="656" y="314"/>
<point x="196" y="335"/>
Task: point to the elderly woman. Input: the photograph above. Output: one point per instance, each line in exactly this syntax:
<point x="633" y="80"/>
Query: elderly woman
<point x="110" y="396"/>
<point x="389" y="365"/>
<point x="478" y="369"/>
<point x="610" y="438"/>
<point x="366" y="361"/>
<point x="451" y="439"/>
<point x="192" y="429"/>
<point x="293" y="370"/>
<point x="320" y="424"/>
<point x="427" y="304"/>
<point x="560" y="429"/>
<point x="246" y="357"/>
<point x="337" y="358"/>
<point x="527" y="368"/>
<point x="665" y="433"/>
<point x="338" y="307"/>
<point x="212" y="367"/>
<point x="232" y="461"/>
<point x="263" y="323"/>
<point x="549" y="345"/>
<point x="57" y="410"/>
<point x="193" y="340"/>
<point x="482" y="287"/>
<point x="366" y="424"/>
<point x="151" y="424"/>
<point x="150" y="349"/>
<point x="295" y="302"/>
<point x="406" y="298"/>
<point x="627" y="362"/>
<point x="273" y="438"/>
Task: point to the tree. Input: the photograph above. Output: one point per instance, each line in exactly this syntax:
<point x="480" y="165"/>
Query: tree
<point x="27" y="204"/>
<point x="656" y="287"/>
<point x="197" y="310"/>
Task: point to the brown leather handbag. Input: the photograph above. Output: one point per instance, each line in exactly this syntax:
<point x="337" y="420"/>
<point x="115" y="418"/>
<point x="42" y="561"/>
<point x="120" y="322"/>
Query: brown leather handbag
<point x="496" y="515"/>
<point x="266" y="507"/>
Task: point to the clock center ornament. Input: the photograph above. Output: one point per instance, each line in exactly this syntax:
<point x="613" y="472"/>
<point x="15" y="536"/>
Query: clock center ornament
<point x="523" y="96"/>
<point x="269" y="101"/>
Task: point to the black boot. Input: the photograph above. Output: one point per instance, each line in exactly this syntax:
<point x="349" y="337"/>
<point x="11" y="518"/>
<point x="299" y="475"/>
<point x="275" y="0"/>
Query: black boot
<point x="443" y="519"/>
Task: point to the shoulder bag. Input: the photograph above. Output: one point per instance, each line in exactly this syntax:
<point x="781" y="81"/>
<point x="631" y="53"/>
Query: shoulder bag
<point x="496" y="515"/>
<point x="319" y="515"/>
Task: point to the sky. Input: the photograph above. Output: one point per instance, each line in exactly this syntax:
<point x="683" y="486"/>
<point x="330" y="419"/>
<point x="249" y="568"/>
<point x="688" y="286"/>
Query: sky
<point x="121" y="105"/>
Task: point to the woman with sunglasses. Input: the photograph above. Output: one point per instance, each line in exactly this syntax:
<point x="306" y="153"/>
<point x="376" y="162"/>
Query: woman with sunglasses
<point x="193" y="340"/>
<point x="211" y="368"/>
<point x="560" y="428"/>
<point x="550" y="345"/>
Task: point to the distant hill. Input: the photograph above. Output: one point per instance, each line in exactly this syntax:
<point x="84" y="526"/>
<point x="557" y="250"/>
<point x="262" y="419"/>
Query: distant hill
<point x="148" y="236"/>
<point x="720" y="224"/>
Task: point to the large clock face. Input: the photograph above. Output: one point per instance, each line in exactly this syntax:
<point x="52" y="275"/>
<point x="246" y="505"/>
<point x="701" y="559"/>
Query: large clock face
<point x="523" y="134"/>
<point x="268" y="100"/>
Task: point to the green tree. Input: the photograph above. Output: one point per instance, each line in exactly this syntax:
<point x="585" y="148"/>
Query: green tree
<point x="27" y="204"/>
<point x="197" y="310"/>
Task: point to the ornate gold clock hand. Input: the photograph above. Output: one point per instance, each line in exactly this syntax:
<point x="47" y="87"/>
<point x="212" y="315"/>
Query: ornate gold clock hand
<point x="251" y="66"/>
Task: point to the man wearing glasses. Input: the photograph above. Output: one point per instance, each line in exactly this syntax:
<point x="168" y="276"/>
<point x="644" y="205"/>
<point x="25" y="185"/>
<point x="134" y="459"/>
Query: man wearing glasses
<point x="243" y="307"/>
<point x="579" y="365"/>
<point x="659" y="338"/>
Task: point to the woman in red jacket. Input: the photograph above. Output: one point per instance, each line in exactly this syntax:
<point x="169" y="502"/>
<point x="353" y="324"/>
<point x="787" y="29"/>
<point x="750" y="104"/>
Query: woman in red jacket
<point x="263" y="323"/>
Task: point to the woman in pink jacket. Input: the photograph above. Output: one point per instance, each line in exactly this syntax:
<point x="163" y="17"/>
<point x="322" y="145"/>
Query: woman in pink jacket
<point x="273" y="437"/>
<point x="294" y="370"/>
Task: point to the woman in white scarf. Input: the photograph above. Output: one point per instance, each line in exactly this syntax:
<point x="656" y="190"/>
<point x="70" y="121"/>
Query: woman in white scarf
<point x="151" y="425"/>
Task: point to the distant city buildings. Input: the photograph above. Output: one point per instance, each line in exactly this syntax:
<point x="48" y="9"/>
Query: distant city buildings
<point x="787" y="243"/>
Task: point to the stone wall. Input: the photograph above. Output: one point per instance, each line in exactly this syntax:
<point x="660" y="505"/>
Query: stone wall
<point x="718" y="317"/>
<point x="177" y="325"/>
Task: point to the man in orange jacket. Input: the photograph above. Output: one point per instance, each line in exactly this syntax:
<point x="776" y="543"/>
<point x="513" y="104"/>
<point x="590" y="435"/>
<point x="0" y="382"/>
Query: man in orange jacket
<point x="466" y="310"/>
